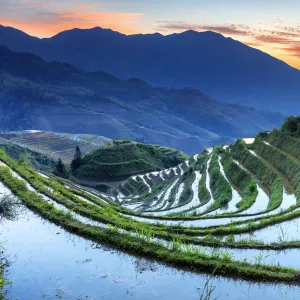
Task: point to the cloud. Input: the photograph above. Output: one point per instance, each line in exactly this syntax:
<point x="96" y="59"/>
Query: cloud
<point x="278" y="33"/>
<point x="294" y="50"/>
<point x="272" y="39"/>
<point x="232" y="29"/>
<point x="275" y="37"/>
<point x="253" y="44"/>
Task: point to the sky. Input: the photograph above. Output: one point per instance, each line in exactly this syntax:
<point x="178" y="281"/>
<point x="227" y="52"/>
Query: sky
<point x="271" y="26"/>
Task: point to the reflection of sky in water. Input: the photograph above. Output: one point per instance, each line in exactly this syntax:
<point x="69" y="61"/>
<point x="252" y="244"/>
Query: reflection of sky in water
<point x="46" y="262"/>
<point x="287" y="231"/>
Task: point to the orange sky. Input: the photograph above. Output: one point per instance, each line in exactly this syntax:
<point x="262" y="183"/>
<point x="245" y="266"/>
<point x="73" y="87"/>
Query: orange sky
<point x="81" y="16"/>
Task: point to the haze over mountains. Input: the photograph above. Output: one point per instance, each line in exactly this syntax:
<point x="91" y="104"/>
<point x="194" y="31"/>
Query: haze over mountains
<point x="35" y="94"/>
<point x="225" y="69"/>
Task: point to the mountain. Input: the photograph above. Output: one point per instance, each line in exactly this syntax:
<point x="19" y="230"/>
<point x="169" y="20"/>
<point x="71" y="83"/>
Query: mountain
<point x="221" y="67"/>
<point x="58" y="97"/>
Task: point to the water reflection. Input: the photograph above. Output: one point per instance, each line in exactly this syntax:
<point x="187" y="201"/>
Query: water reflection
<point x="49" y="263"/>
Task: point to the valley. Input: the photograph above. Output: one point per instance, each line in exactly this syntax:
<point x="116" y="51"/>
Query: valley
<point x="57" y="97"/>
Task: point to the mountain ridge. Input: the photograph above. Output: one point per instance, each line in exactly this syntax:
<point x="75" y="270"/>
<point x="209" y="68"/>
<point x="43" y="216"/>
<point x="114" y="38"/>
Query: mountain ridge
<point x="221" y="67"/>
<point x="34" y="94"/>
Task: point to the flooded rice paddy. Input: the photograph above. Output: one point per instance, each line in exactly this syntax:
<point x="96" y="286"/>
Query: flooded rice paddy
<point x="47" y="262"/>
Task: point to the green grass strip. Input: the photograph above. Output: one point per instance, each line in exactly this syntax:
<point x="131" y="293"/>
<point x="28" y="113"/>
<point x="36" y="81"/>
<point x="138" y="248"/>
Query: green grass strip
<point x="141" y="245"/>
<point x="269" y="178"/>
<point x="283" y="162"/>
<point x="242" y="180"/>
<point x="107" y="214"/>
<point x="220" y="188"/>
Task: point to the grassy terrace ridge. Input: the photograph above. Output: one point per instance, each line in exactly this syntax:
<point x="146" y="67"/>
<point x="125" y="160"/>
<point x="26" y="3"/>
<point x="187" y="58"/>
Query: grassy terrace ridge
<point x="203" y="192"/>
<point x="177" y="254"/>
<point x="123" y="158"/>
<point x="222" y="229"/>
<point x="242" y="180"/>
<point x="269" y="178"/>
<point x="201" y="246"/>
<point x="70" y="200"/>
<point x="282" y="161"/>
<point x="220" y="188"/>
<point x="107" y="214"/>
<point x="285" y="142"/>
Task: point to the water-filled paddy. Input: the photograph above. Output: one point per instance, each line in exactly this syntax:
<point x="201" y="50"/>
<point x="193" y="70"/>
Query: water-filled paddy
<point x="49" y="263"/>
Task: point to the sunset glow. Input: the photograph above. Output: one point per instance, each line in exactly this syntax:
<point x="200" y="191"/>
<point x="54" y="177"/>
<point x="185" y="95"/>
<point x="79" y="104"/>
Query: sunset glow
<point x="275" y="29"/>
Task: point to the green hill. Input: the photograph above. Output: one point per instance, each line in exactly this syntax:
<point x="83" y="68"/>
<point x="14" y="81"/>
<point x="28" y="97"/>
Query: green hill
<point x="123" y="158"/>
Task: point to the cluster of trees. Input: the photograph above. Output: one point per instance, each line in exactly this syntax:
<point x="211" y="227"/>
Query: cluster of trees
<point x="292" y="126"/>
<point x="60" y="168"/>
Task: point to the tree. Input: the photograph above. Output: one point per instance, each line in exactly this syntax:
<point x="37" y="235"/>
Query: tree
<point x="77" y="161"/>
<point x="60" y="169"/>
<point x="292" y="126"/>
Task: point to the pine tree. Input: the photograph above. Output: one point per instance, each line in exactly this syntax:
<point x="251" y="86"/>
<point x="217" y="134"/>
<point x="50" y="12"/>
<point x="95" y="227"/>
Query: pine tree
<point x="60" y="169"/>
<point x="76" y="162"/>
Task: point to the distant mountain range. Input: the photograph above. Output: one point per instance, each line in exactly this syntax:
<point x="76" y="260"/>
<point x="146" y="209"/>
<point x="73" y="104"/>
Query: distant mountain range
<point x="53" y="96"/>
<point x="223" y="68"/>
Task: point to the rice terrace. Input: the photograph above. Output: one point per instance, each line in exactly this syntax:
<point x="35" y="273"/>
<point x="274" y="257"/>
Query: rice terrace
<point x="231" y="210"/>
<point x="149" y="150"/>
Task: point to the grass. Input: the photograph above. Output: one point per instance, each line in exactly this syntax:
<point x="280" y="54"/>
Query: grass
<point x="36" y="160"/>
<point x="9" y="207"/>
<point x="187" y="193"/>
<point x="283" y="162"/>
<point x="220" y="188"/>
<point x="3" y="281"/>
<point x="141" y="244"/>
<point x="242" y="180"/>
<point x="8" y="211"/>
<point x="122" y="159"/>
<point x="285" y="142"/>
<point x="106" y="213"/>
<point x="203" y="192"/>
<point x="269" y="178"/>
<point x="181" y="254"/>
<point x="176" y="245"/>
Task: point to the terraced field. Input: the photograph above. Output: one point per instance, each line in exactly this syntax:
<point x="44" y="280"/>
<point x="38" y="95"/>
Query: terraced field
<point x="55" y="145"/>
<point x="232" y="211"/>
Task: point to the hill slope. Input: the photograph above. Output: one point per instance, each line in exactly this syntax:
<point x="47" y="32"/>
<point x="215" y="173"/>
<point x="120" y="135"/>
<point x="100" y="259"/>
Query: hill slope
<point x="222" y="67"/>
<point x="57" y="97"/>
<point x="35" y="159"/>
<point x="122" y="159"/>
<point x="54" y="145"/>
